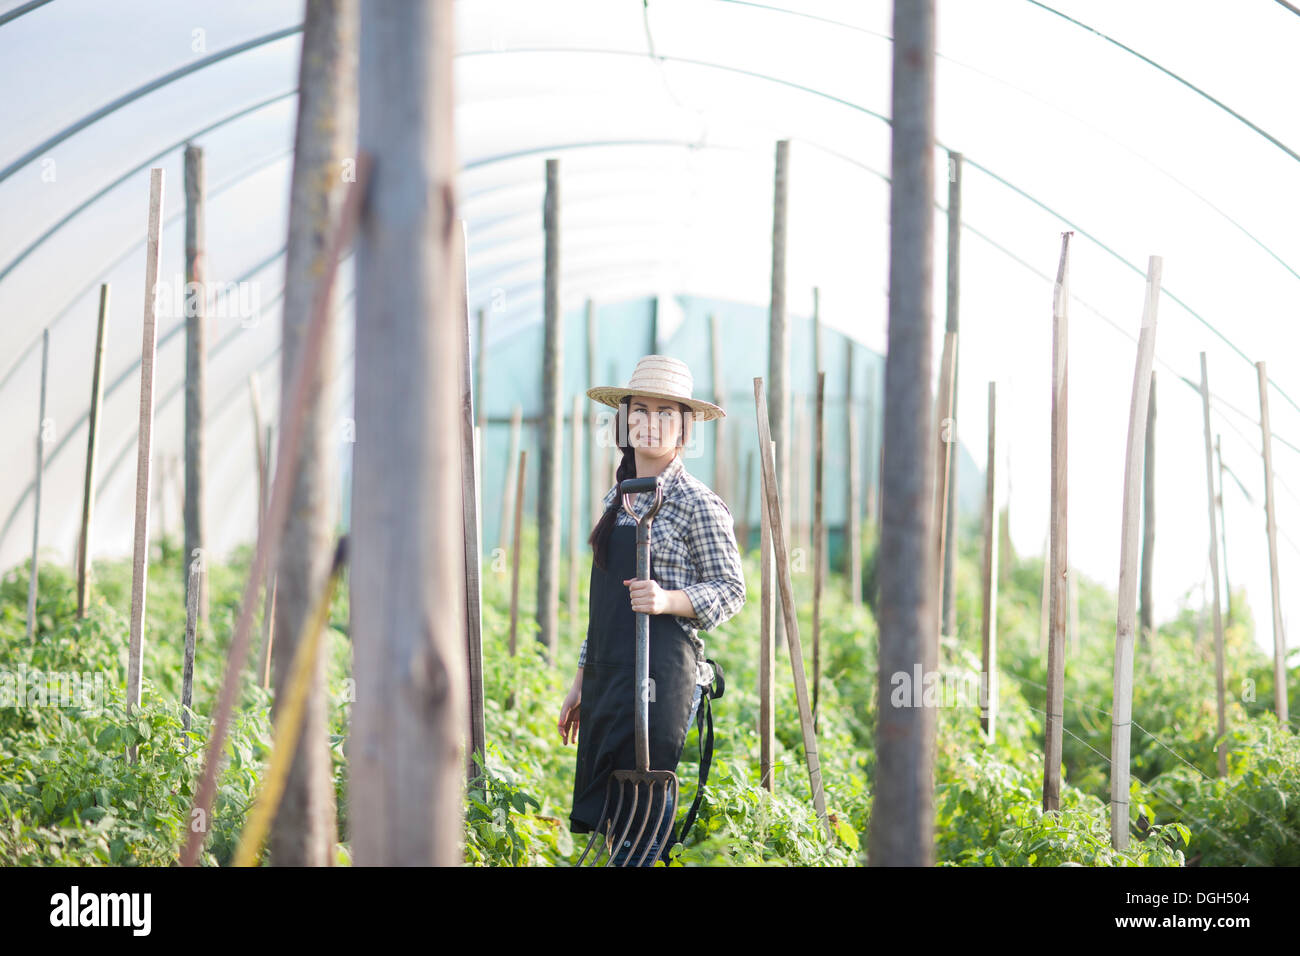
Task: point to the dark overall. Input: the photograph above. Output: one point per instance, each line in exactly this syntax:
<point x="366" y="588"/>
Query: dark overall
<point x="608" y="688"/>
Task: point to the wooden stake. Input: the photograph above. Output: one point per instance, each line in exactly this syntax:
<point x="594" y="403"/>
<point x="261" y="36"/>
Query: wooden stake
<point x="1126" y="621"/>
<point x="1060" y="555"/>
<point x="469" y="469"/>
<point x="575" y="503"/>
<point x="772" y="503"/>
<point x="92" y="446"/>
<point x="944" y="432"/>
<point x="766" y="642"/>
<point x="594" y="448"/>
<point x="778" y="364"/>
<point x="548" y="481"/>
<point x="1147" y="613"/>
<point x="1214" y="575"/>
<point x="144" y="449"/>
<point x="819" y="543"/>
<point x="508" y="486"/>
<point x="1223" y="528"/>
<point x="989" y="617"/>
<point x="1279" y="630"/>
<point x="269" y="586"/>
<point x="40" y="468"/>
<point x="192" y="589"/>
<point x="721" y="473"/>
<point x="514" y="565"/>
<point x="196" y="361"/>
<point x="948" y="596"/>
<point x="854" y="542"/>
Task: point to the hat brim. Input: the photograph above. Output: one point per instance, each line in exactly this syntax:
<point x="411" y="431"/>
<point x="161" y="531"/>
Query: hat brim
<point x="612" y="394"/>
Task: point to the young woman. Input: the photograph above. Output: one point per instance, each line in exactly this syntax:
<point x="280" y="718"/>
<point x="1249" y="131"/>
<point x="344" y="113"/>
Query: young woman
<point x="696" y="583"/>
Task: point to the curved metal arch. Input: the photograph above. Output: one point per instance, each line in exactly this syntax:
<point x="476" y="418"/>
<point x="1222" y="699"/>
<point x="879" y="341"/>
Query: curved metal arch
<point x="127" y="98"/>
<point x="17" y="12"/>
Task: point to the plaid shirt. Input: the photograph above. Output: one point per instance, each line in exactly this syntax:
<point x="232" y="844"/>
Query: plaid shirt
<point x="692" y="549"/>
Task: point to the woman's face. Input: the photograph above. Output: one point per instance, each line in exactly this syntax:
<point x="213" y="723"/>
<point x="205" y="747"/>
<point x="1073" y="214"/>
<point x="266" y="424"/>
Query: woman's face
<point x="654" y="425"/>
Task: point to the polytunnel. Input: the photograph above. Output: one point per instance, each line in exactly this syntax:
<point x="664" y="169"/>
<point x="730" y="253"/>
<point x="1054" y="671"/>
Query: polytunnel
<point x="1163" y="129"/>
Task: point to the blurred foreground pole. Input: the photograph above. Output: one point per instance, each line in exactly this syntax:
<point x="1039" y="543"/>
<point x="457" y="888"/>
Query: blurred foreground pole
<point x="1146" y="621"/>
<point x="407" y="581"/>
<point x="1121" y="729"/>
<point x="902" y="816"/>
<point x="1059" y="557"/>
<point x="92" y="446"/>
<point x="40" y="468"/>
<point x="196" y="366"/>
<point x="144" y="447"/>
<point x="1279" y="630"/>
<point x="1214" y="576"/>
<point x="550" y="429"/>
<point x="304" y="830"/>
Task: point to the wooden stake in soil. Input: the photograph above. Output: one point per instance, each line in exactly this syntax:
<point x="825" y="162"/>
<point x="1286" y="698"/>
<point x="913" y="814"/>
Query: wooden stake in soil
<point x="1126" y="622"/>
<point x="548" y="480"/>
<point x="766" y="643"/>
<point x="1223" y="530"/>
<point x="1279" y="629"/>
<point x="1147" y="618"/>
<point x="144" y="448"/>
<point x="778" y="364"/>
<point x="772" y="503"/>
<point x="819" y="542"/>
<point x="92" y="446"/>
<point x="192" y="590"/>
<point x="514" y="560"/>
<point x="1060" y="555"/>
<point x="989" y="617"/>
<point x="948" y="598"/>
<point x="1214" y="576"/>
<point x="946" y="438"/>
<point x="40" y="468"/>
<point x="196" y="361"/>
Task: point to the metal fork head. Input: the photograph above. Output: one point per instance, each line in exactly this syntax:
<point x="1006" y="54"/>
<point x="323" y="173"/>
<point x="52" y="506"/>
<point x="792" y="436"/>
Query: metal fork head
<point x="653" y="795"/>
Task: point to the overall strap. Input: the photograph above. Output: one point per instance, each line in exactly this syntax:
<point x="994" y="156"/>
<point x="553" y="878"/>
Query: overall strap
<point x="703" y="718"/>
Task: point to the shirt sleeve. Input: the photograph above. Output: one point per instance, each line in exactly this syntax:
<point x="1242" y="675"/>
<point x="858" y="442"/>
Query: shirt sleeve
<point x="711" y="539"/>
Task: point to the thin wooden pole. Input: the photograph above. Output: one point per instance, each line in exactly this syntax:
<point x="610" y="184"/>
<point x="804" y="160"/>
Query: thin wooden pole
<point x="722" y="478"/>
<point x="766" y="642"/>
<point x="40" y="469"/>
<point x="944" y="433"/>
<point x="902" y="816"/>
<point x="259" y="453"/>
<point x="819" y="542"/>
<point x="575" y="504"/>
<point x="1147" y="613"/>
<point x="1279" y="630"/>
<point x="1223" y="529"/>
<point x="192" y="587"/>
<point x="948" y="598"/>
<point x="508" y="486"/>
<point x="144" y="449"/>
<point x="989" y="615"/>
<point x="269" y="586"/>
<point x="92" y="446"/>
<point x="594" y="449"/>
<point x="196" y="361"/>
<point x="1214" y="575"/>
<point x="778" y="363"/>
<point x="548" y="481"/>
<point x="818" y="370"/>
<point x="469" y="469"/>
<point x="772" y="503"/>
<point x="854" y="525"/>
<point x="514" y="560"/>
<point x="1126" y="620"/>
<point x="1060" y="554"/>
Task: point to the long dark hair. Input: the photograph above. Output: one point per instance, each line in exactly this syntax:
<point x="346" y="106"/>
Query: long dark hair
<point x="599" y="539"/>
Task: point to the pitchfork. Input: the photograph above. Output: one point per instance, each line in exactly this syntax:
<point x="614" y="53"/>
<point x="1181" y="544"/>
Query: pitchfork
<point x="642" y="778"/>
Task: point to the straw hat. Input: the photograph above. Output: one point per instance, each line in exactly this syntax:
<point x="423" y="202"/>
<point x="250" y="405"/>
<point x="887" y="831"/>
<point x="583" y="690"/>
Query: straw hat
<point x="658" y="376"/>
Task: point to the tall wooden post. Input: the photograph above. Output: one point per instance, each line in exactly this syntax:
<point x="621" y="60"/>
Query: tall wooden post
<point x="1060" y="554"/>
<point x="722" y="479"/>
<point x="1214" y="576"/>
<point x="92" y="446"/>
<point x="595" y="469"/>
<point x="778" y="362"/>
<point x="852" y="508"/>
<point x="304" y="830"/>
<point x="40" y="469"/>
<point x="1147" y="619"/>
<point x="518" y="526"/>
<point x="948" y="597"/>
<point x="820" y="537"/>
<point x="766" y="638"/>
<point x="196" y="363"/>
<point x="144" y="448"/>
<point x="819" y="542"/>
<point x="548" y="481"/>
<point x="1121" y="729"/>
<point x="1280" y="704"/>
<point x="508" y="487"/>
<point x="902" y="816"/>
<point x="989" y="615"/>
<point x="192" y="588"/>
<point x="945" y="436"/>
<point x="407" y="578"/>
<point x="575" y="504"/>
<point x="1223" y="529"/>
